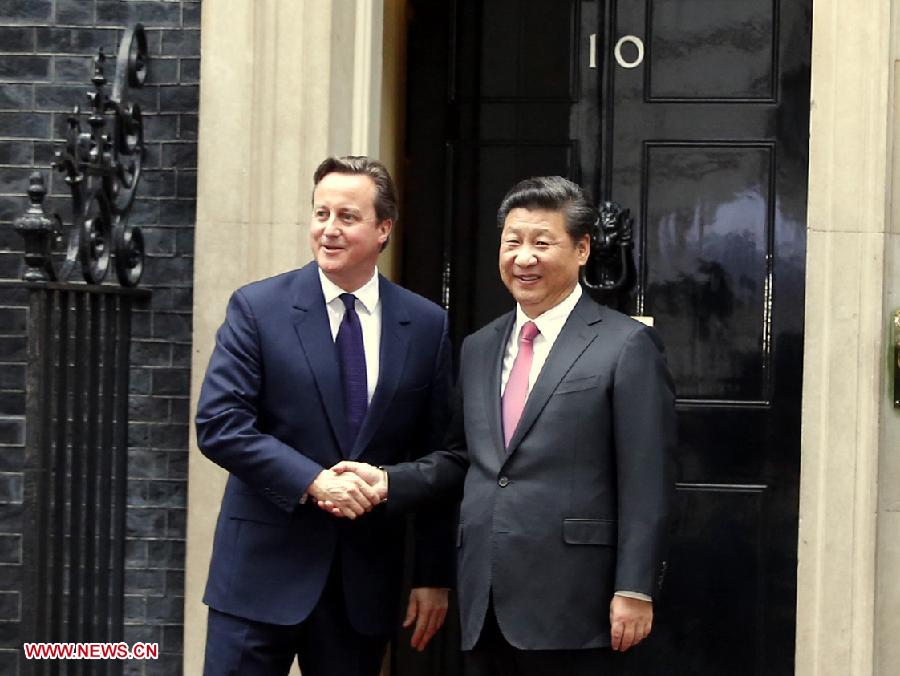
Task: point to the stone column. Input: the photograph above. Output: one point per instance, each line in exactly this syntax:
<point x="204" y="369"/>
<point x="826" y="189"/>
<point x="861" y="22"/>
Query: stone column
<point x="283" y="85"/>
<point x="850" y="474"/>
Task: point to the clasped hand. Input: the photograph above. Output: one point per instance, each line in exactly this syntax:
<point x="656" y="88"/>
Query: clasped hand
<point x="346" y="492"/>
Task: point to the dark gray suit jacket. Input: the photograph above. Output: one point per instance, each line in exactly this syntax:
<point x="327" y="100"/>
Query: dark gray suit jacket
<point x="578" y="506"/>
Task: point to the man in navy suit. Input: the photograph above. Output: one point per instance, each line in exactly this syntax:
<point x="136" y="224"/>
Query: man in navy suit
<point x="322" y="364"/>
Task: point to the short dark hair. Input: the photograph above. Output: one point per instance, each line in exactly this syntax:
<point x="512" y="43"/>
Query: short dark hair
<point x="385" y="192"/>
<point x="553" y="193"/>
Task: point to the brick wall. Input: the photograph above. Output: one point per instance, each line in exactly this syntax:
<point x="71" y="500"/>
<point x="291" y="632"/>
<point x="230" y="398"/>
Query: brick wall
<point x="46" y="47"/>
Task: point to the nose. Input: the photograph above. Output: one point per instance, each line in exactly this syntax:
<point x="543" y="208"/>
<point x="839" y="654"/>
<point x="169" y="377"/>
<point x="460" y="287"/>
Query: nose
<point x="525" y="258"/>
<point x="331" y="227"/>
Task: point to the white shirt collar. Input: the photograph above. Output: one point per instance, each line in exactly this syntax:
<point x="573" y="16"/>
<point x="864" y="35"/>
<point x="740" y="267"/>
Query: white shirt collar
<point x="367" y="294"/>
<point x="551" y="322"/>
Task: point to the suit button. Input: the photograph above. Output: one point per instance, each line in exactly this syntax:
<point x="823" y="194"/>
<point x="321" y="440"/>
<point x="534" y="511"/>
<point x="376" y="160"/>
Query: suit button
<point x="503" y="482"/>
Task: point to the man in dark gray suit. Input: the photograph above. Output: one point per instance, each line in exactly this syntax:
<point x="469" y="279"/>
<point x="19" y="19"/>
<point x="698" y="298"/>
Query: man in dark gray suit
<point x="563" y="440"/>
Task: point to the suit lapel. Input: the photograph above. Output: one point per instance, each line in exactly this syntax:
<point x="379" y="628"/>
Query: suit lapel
<point x="394" y="345"/>
<point x="314" y="332"/>
<point x="577" y="333"/>
<point x="493" y="365"/>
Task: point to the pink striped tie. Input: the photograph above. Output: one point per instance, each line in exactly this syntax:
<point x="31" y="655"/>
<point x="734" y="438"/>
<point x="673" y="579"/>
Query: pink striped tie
<point x="516" y="392"/>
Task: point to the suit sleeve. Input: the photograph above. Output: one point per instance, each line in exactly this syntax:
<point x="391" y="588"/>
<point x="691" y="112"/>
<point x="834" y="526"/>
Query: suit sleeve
<point x="227" y="415"/>
<point x="435" y="524"/>
<point x="644" y="434"/>
<point x="437" y="477"/>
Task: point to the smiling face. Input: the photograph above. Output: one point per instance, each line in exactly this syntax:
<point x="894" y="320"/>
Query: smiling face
<point x="539" y="261"/>
<point x="345" y="234"/>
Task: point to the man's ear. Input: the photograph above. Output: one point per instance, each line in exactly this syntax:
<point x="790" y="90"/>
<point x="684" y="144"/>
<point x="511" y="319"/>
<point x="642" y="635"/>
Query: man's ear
<point x="384" y="229"/>
<point x="583" y="248"/>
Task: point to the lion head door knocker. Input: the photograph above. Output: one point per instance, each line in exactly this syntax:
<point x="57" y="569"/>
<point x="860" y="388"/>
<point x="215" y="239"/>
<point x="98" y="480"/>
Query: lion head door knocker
<point x="609" y="274"/>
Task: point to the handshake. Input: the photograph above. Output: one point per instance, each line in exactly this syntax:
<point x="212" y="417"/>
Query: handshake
<point x="349" y="489"/>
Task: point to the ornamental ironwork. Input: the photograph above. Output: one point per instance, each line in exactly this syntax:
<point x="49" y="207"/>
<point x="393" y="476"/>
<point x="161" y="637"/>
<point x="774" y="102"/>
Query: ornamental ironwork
<point x="102" y="167"/>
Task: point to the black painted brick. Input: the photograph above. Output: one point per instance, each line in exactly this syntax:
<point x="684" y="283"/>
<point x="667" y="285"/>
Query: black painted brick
<point x="179" y="155"/>
<point x="139" y="383"/>
<point x="190" y="70"/>
<point x="190" y="16"/>
<point x="25" y="11"/>
<point x="187" y="128"/>
<point x="59" y="98"/>
<point x="178" y="467"/>
<point x="135" y="553"/>
<point x="24" y="125"/>
<point x="181" y="43"/>
<point x="166" y="554"/>
<point x="147" y="463"/>
<point x="180" y="407"/>
<point x="15" y="96"/>
<point x="186" y="183"/>
<point x="168" y="271"/>
<point x="181" y="356"/>
<point x="179" y="99"/>
<point x="135" y="608"/>
<point x="166" y="493"/>
<point x="174" y="326"/>
<point x="149" y="353"/>
<point x="77" y="40"/>
<point x="174" y="581"/>
<point x="74" y="12"/>
<point x="21" y="152"/>
<point x="173" y="638"/>
<point x="158" y="183"/>
<point x="178" y="212"/>
<point x="147" y="98"/>
<point x="24" y="68"/>
<point x="72" y="69"/>
<point x="16" y="39"/>
<point x="151" y="14"/>
<point x="146" y="522"/>
<point x="169" y="436"/>
<point x="144" y="633"/>
<point x="165" y="610"/>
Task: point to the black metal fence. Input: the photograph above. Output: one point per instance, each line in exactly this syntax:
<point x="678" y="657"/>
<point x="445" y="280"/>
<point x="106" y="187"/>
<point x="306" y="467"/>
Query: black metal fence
<point x="76" y="468"/>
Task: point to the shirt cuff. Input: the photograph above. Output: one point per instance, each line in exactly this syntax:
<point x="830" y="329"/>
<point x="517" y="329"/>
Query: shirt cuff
<point x="634" y="595"/>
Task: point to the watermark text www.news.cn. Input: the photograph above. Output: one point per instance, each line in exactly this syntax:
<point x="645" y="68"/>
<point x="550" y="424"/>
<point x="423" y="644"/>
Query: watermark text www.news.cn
<point x="91" y="651"/>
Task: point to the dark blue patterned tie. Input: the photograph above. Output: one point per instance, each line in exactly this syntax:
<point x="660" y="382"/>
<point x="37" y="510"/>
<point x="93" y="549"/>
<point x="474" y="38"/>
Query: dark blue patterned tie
<point x="352" y="356"/>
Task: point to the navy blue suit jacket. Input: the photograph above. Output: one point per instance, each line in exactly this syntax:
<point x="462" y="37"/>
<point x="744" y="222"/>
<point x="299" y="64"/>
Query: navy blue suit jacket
<point x="271" y="413"/>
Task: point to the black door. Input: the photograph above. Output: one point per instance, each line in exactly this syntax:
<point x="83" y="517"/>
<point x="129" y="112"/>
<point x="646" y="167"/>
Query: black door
<point x="694" y="115"/>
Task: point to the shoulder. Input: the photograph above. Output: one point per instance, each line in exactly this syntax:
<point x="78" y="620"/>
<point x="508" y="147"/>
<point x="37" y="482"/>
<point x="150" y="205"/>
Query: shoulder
<point x="490" y="332"/>
<point x="277" y="285"/>
<point x="416" y="306"/>
<point x="619" y="328"/>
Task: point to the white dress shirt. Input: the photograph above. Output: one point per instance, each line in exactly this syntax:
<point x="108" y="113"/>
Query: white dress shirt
<point x="550" y="324"/>
<point x="368" y="307"/>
